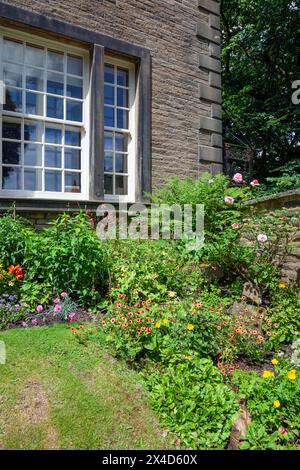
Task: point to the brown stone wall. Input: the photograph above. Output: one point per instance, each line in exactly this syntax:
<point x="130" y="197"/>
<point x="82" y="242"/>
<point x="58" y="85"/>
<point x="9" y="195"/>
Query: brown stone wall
<point x="183" y="37"/>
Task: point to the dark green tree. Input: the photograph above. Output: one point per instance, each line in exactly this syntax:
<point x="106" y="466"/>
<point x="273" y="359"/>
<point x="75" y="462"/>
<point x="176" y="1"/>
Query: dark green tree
<point x="261" y="60"/>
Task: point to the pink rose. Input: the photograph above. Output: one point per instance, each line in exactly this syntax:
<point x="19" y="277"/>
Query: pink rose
<point x="34" y="322"/>
<point x="229" y="200"/>
<point x="282" y="430"/>
<point x="57" y="308"/>
<point x="235" y="226"/>
<point x="262" y="238"/>
<point x="57" y="300"/>
<point x="64" y="294"/>
<point x="24" y="324"/>
<point x="72" y="315"/>
<point x="254" y="183"/>
<point x="39" y="309"/>
<point x="238" y="178"/>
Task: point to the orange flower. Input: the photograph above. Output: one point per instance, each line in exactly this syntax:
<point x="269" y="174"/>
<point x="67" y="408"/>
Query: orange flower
<point x="11" y="269"/>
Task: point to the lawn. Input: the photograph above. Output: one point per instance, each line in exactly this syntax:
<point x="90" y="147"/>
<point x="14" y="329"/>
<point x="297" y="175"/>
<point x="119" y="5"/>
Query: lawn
<point x="58" y="394"/>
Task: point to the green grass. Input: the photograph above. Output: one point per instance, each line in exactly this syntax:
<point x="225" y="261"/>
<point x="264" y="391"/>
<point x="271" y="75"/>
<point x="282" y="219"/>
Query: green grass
<point x="58" y="394"/>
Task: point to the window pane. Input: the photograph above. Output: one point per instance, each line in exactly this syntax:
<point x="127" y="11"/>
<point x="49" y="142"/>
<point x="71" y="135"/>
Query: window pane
<point x="33" y="131"/>
<point x="52" y="157"/>
<point x="121" y="143"/>
<point x="53" y="135"/>
<point x="108" y="184"/>
<point x="12" y="75"/>
<point x="52" y="181"/>
<point x="109" y="94"/>
<point x="55" y="83"/>
<point x="32" y="179"/>
<point x="11" y="153"/>
<point x="35" y="79"/>
<point x="108" y="141"/>
<point x="33" y="154"/>
<point x="122" y="119"/>
<point x="122" y="97"/>
<point x="55" y="107"/>
<point x="72" y="183"/>
<point x="73" y="137"/>
<point x="72" y="159"/>
<point x="34" y="56"/>
<point x="122" y="77"/>
<point x="121" y="163"/>
<point x="34" y="104"/>
<point x="55" y="61"/>
<point x="75" y="65"/>
<point x="74" y="111"/>
<point x="109" y="76"/>
<point x="109" y="117"/>
<point x="13" y="100"/>
<point x="74" y="87"/>
<point x="11" y="130"/>
<point x="12" y="49"/>
<point x="121" y="185"/>
<point x="11" y="178"/>
<point x="108" y="162"/>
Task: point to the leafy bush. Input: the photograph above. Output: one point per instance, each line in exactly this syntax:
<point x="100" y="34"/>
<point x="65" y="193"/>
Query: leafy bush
<point x="68" y="256"/>
<point x="273" y="400"/>
<point x="13" y="238"/>
<point x="284" y="315"/>
<point x="193" y="402"/>
<point x="153" y="269"/>
<point x="210" y="191"/>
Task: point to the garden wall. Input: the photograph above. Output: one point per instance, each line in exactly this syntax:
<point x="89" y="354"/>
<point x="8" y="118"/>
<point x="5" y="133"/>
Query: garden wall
<point x="291" y="201"/>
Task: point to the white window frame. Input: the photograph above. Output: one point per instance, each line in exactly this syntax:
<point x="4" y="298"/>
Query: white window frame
<point x="131" y="131"/>
<point x="85" y="125"/>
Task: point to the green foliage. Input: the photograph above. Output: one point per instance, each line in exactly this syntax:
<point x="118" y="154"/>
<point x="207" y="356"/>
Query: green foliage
<point x="68" y="256"/>
<point x="34" y="293"/>
<point x="193" y="402"/>
<point x="260" y="62"/>
<point x="273" y="427"/>
<point x="209" y="191"/>
<point x="13" y="237"/>
<point x="150" y="269"/>
<point x="284" y="316"/>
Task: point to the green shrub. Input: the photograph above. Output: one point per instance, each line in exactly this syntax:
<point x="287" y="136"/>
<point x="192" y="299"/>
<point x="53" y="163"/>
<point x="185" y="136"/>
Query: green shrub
<point x="273" y="400"/>
<point x="210" y="191"/>
<point x="13" y="238"/>
<point x="68" y="256"/>
<point x="284" y="316"/>
<point x="153" y="269"/>
<point x="193" y="402"/>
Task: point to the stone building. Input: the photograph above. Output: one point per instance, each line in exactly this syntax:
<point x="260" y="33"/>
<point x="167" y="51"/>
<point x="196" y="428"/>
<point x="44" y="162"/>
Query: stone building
<point x="106" y="99"/>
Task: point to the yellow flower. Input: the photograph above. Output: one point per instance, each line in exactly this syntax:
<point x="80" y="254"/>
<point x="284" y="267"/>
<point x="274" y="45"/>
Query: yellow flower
<point x="276" y="403"/>
<point x="190" y="327"/>
<point x="282" y="285"/>
<point x="172" y="294"/>
<point x="267" y="373"/>
<point x="157" y="324"/>
<point x="274" y="362"/>
<point x="292" y="374"/>
<point x="165" y="321"/>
